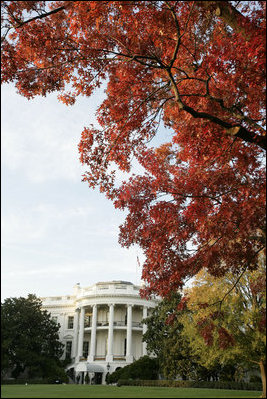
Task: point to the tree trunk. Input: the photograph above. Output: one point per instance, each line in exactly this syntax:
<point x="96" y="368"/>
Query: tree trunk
<point x="263" y="378"/>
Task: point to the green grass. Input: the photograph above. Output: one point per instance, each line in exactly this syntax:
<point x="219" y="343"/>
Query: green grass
<point x="102" y="391"/>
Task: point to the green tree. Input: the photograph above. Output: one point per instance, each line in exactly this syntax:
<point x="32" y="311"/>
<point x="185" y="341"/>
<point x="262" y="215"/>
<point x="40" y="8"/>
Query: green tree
<point x="30" y="339"/>
<point x="164" y="339"/>
<point x="225" y="321"/>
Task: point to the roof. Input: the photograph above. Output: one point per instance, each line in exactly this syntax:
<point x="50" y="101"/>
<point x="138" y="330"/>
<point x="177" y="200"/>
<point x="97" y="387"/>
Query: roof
<point x="94" y="368"/>
<point x="90" y="367"/>
<point x="115" y="282"/>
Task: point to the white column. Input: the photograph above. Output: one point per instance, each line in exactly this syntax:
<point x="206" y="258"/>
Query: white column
<point x="81" y="333"/>
<point x="144" y="330"/>
<point x="109" y="357"/>
<point x="129" y="355"/>
<point x="93" y="335"/>
<point x="75" y="334"/>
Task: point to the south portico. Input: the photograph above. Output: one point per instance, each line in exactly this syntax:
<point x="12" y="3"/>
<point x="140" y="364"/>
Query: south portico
<point x="101" y="328"/>
<point x="115" y="338"/>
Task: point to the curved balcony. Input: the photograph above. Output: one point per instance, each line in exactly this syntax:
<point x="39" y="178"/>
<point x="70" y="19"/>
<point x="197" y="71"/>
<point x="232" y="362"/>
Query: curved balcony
<point x="119" y="323"/>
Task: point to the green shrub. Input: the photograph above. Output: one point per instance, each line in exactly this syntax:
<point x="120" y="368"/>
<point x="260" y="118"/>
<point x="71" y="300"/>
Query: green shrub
<point x="193" y="384"/>
<point x="145" y="368"/>
<point x="255" y="378"/>
<point x="23" y="381"/>
<point x="60" y="375"/>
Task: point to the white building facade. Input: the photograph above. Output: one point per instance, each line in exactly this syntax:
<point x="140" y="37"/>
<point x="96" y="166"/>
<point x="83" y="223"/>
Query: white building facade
<point x="101" y="327"/>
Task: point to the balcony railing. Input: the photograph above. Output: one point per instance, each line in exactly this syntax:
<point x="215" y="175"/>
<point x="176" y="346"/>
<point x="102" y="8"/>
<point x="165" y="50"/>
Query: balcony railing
<point x="137" y="324"/>
<point x="102" y="323"/>
<point x="120" y="323"/>
<point x="119" y="357"/>
<point x="115" y="324"/>
<point x="100" y="357"/>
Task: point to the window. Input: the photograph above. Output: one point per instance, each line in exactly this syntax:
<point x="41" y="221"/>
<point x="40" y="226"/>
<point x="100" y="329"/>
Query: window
<point x="54" y="319"/>
<point x="85" y="348"/>
<point x="70" y="322"/>
<point x="106" y="346"/>
<point x="125" y="346"/>
<point x="88" y="320"/>
<point x="68" y="349"/>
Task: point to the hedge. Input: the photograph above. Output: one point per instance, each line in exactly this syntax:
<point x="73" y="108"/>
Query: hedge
<point x="194" y="384"/>
<point x="23" y="381"/>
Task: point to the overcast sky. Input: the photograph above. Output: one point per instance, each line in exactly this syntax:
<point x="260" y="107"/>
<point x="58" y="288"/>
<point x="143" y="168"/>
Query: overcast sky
<point x="56" y="231"/>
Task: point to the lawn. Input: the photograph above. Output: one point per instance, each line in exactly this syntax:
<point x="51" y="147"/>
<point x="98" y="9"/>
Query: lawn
<point x="101" y="391"/>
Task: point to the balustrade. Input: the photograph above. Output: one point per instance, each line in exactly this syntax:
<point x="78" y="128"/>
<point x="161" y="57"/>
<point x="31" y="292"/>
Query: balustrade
<point x="100" y="357"/>
<point x="120" y="323"/>
<point x="119" y="357"/>
<point x="102" y="323"/>
<point x="137" y="324"/>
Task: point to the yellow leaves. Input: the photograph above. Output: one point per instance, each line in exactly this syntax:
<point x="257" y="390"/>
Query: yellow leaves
<point x="218" y="12"/>
<point x="233" y="130"/>
<point x="164" y="151"/>
<point x="206" y="289"/>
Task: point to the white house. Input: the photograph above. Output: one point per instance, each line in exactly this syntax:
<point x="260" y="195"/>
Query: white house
<point x="100" y="327"/>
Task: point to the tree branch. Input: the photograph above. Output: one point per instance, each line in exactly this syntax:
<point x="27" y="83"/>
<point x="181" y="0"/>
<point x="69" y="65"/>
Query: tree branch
<point x="229" y="14"/>
<point x="237" y="280"/>
<point x="20" y="24"/>
<point x="231" y="129"/>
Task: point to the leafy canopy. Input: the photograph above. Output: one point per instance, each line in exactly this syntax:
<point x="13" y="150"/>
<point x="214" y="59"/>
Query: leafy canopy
<point x="226" y="320"/>
<point x="164" y="339"/>
<point x="170" y="338"/>
<point x="198" y="69"/>
<point x="30" y="339"/>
